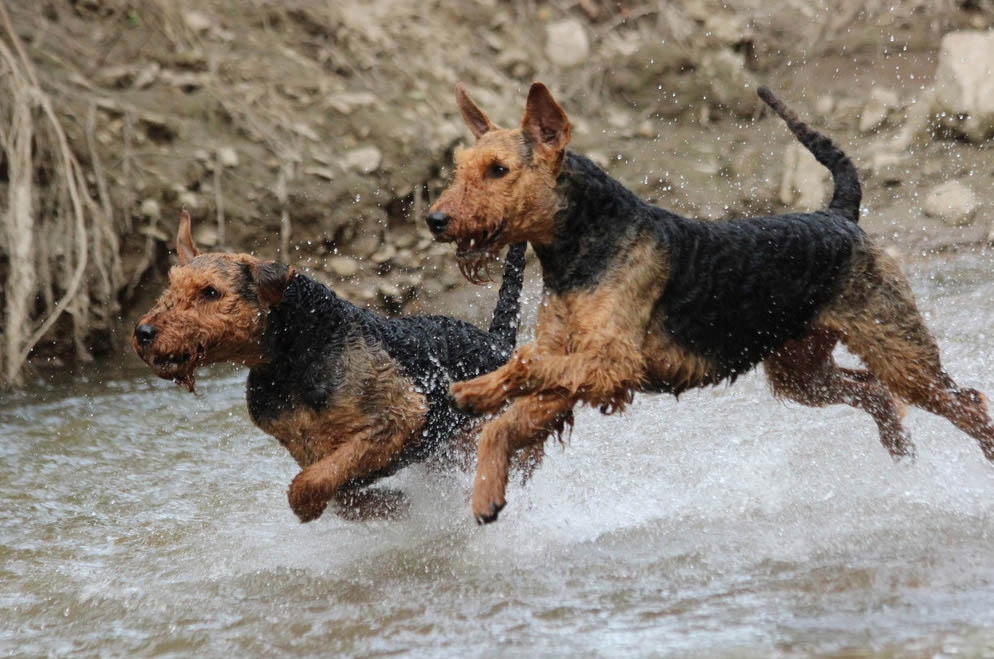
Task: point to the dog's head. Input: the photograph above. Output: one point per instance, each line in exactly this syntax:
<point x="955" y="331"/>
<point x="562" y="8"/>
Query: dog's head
<point x="213" y="310"/>
<point x="504" y="187"/>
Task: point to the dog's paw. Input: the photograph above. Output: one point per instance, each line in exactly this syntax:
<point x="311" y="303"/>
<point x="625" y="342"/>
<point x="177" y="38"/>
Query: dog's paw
<point x="306" y="499"/>
<point x="488" y="499"/>
<point x="900" y="447"/>
<point x="477" y="396"/>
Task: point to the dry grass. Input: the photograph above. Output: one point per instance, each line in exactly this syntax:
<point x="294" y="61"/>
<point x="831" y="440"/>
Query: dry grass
<point x="51" y="233"/>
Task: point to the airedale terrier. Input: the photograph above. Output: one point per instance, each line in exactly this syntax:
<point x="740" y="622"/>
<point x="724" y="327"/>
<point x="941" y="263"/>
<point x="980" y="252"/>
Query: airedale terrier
<point x="353" y="396"/>
<point x="639" y="299"/>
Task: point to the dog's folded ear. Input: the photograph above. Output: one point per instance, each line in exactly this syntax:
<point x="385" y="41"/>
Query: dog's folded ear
<point x="271" y="279"/>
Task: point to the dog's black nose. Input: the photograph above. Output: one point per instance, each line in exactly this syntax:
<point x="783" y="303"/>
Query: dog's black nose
<point x="145" y="334"/>
<point x="437" y="222"/>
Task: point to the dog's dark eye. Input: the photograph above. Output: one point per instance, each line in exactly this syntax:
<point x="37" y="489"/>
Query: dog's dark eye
<point x="496" y="170"/>
<point x="210" y="293"/>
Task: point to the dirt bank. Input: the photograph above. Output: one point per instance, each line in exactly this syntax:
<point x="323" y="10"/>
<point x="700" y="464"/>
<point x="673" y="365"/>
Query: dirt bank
<point x="319" y="132"/>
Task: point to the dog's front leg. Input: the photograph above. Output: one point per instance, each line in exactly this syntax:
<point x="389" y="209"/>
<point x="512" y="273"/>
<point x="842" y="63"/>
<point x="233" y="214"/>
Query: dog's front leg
<point x="488" y="393"/>
<point x="312" y="489"/>
<point x="527" y="422"/>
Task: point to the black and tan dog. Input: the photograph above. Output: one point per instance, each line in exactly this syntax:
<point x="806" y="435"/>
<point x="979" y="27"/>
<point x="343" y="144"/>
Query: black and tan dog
<point x="639" y="299"/>
<point x="353" y="396"/>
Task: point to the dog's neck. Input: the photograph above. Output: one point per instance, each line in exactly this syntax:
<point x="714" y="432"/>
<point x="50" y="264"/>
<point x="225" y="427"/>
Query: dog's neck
<point x="597" y="220"/>
<point x="308" y="309"/>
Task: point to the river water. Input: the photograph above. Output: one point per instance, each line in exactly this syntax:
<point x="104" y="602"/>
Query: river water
<point x="138" y="520"/>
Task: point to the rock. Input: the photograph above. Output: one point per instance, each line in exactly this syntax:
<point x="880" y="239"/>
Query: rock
<point x="365" y="159"/>
<point x="205" y="235"/>
<point x="197" y="21"/>
<point x="346" y="102"/>
<point x="403" y="239"/>
<point x="343" y="266"/>
<point x="366" y="293"/>
<point x="384" y="254"/>
<point x="805" y="182"/>
<point x="227" y="156"/>
<point x="964" y="84"/>
<point x="187" y="80"/>
<point x="388" y="289"/>
<point x="872" y="117"/>
<point x="953" y="203"/>
<point x="888" y="166"/>
<point x="824" y="105"/>
<point x="619" y="118"/>
<point x="115" y="76"/>
<point x="188" y="199"/>
<point x="432" y="287"/>
<point x="732" y="86"/>
<point x="745" y="163"/>
<point x="847" y="112"/>
<point x="150" y="209"/>
<point x="566" y="42"/>
<point x="882" y="102"/>
<point x="647" y="130"/>
<point x="365" y="244"/>
<point x="326" y="173"/>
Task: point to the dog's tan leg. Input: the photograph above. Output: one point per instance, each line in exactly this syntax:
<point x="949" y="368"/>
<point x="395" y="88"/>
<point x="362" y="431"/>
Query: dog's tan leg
<point x="527" y="422"/>
<point x="593" y="377"/>
<point x="909" y="365"/>
<point x="362" y="454"/>
<point x="877" y="319"/>
<point x="804" y="371"/>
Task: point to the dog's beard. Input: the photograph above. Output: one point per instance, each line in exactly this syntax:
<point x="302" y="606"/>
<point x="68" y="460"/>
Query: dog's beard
<point x="179" y="368"/>
<point x="475" y="265"/>
<point x="475" y="255"/>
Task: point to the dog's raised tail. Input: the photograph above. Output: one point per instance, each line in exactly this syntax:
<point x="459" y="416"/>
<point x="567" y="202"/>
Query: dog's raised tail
<point x="848" y="192"/>
<point x="507" y="313"/>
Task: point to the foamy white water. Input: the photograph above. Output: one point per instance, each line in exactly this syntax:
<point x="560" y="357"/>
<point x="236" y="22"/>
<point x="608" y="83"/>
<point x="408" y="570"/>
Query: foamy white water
<point x="137" y="520"/>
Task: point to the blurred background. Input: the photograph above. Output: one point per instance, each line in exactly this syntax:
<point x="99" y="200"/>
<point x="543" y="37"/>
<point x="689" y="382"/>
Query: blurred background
<point x="319" y="132"/>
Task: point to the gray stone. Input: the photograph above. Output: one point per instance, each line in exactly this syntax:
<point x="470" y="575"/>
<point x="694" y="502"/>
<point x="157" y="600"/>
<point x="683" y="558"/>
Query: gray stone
<point x="566" y="42"/>
<point x="197" y="21"/>
<point x="732" y="86"/>
<point x="805" y="183"/>
<point x="188" y="199"/>
<point x="953" y="203"/>
<point x="365" y="159"/>
<point x="877" y="109"/>
<point x="150" y="209"/>
<point x="205" y="235"/>
<point x="347" y="102"/>
<point x="824" y="106"/>
<point x="385" y="253"/>
<point x="343" y="266"/>
<point x="964" y="83"/>
<point x="227" y="156"/>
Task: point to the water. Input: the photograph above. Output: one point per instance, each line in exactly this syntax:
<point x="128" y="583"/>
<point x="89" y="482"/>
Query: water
<point x="138" y="520"/>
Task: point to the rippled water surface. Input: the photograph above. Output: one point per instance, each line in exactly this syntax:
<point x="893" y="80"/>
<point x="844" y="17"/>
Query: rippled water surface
<point x="138" y="520"/>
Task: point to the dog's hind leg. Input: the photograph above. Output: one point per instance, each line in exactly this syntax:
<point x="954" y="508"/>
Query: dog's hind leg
<point x="908" y="363"/>
<point x="877" y="319"/>
<point x="805" y="371"/>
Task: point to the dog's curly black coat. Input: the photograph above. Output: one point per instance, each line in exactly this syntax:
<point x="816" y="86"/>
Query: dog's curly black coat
<point x="309" y="330"/>
<point x="717" y="271"/>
